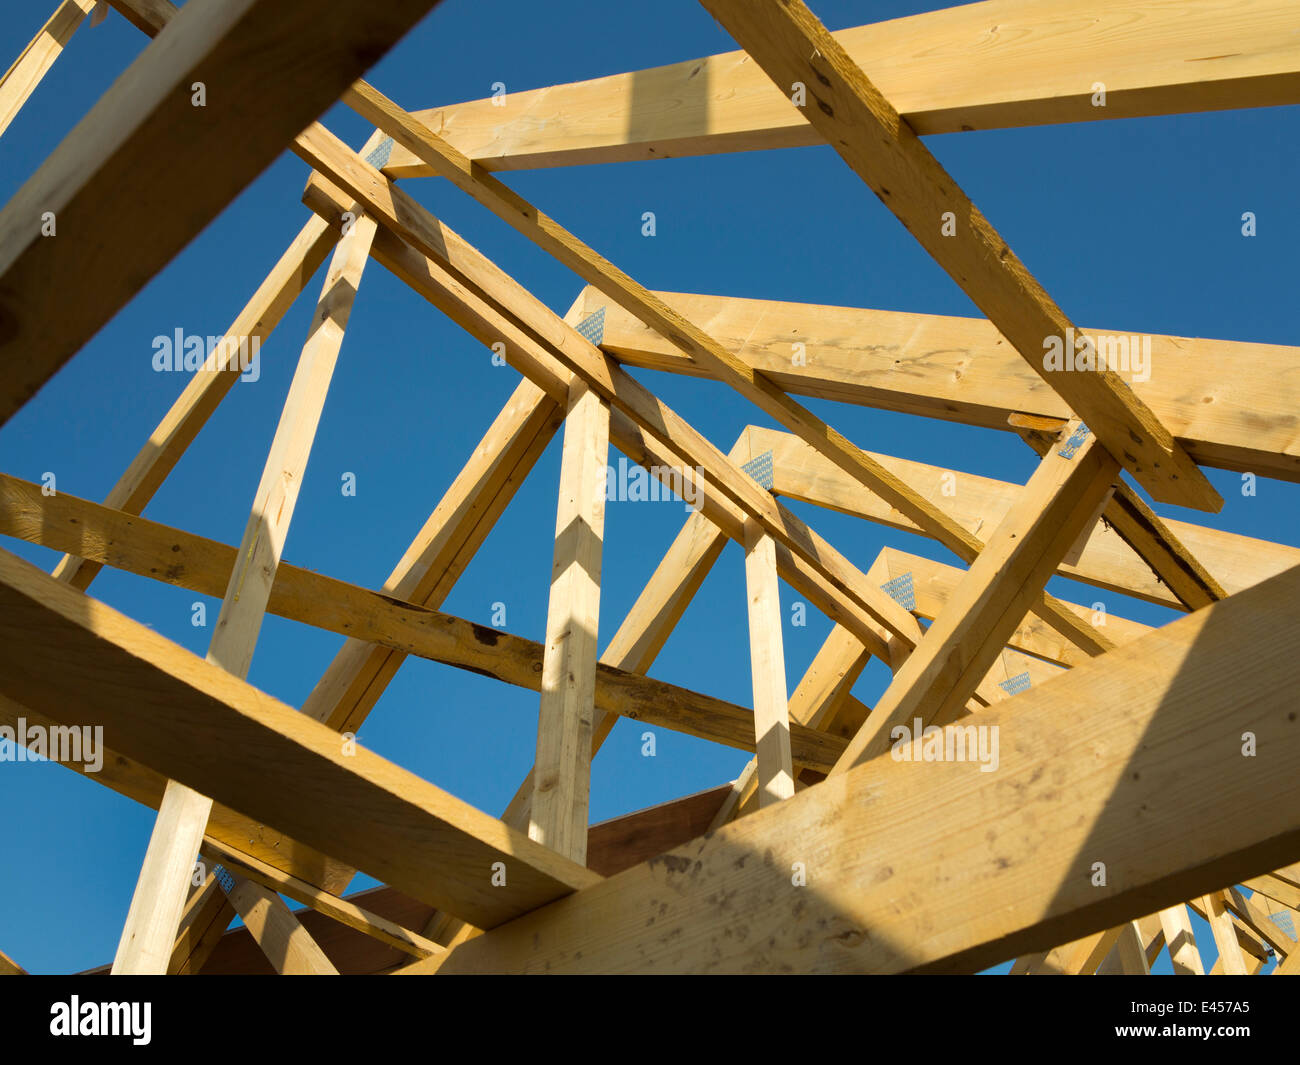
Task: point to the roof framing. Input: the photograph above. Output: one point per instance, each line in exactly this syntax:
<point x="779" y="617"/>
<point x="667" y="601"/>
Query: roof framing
<point x="1124" y="738"/>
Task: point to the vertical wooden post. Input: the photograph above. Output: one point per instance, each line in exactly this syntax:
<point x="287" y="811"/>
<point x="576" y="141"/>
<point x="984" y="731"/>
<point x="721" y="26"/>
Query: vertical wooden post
<point x="562" y="777"/>
<point x="149" y="935"/>
<point x="767" y="668"/>
<point x="1181" y="942"/>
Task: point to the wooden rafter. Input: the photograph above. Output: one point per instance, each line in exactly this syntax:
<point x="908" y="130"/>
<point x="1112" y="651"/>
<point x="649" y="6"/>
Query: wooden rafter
<point x="1156" y="702"/>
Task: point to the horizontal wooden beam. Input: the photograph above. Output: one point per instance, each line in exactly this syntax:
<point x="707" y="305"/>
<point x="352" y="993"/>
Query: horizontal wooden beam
<point x="269" y="67"/>
<point x="979" y="503"/>
<point x="84" y="664"/>
<point x="978" y="66"/>
<point x="1148" y="733"/>
<point x="137" y="545"/>
<point x="963" y="370"/>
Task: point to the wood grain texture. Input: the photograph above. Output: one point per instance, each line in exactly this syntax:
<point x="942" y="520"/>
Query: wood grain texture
<point x="963" y="370"/>
<point x="183" y="164"/>
<point x="788" y="42"/>
<point x="990" y="65"/>
<point x="1145" y="741"/>
<point x="83" y="663"/>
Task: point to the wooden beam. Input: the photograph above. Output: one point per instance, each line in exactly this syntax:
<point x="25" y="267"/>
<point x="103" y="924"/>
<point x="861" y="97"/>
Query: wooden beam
<point x="32" y="64"/>
<point x="1261" y="922"/>
<point x="822" y="700"/>
<point x="1146" y="533"/>
<point x="645" y="305"/>
<point x="284" y="941"/>
<point x="445" y="253"/>
<point x="150" y="930"/>
<point x="1184" y="956"/>
<point x="979" y="503"/>
<point x="1142" y="732"/>
<point x="963" y="370"/>
<point x="788" y="42"/>
<point x="82" y="663"/>
<point x="562" y="770"/>
<point x="613" y="846"/>
<point x="373" y="619"/>
<point x="207" y="915"/>
<point x="935" y="584"/>
<point x="349" y="913"/>
<point x="143" y="133"/>
<point x="813" y="571"/>
<point x="1225" y="934"/>
<point x="1131" y="955"/>
<point x="775" y="772"/>
<point x="972" y="67"/>
<point x="210" y="384"/>
<point x="938" y="677"/>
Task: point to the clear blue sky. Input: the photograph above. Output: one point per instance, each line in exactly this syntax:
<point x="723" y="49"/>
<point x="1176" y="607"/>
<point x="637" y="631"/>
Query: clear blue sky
<point x="1134" y="224"/>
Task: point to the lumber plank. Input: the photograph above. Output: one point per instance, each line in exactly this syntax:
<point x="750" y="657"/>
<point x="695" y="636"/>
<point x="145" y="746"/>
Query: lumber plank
<point x="645" y="305"/>
<point x="1119" y="760"/>
<point x="788" y="42"/>
<point x="1225" y="934"/>
<point x="184" y="164"/>
<point x="81" y="663"/>
<point x="1181" y="940"/>
<point x="992" y="599"/>
<point x="284" y="941"/>
<point x="978" y="503"/>
<point x="970" y="67"/>
<point x="149" y="933"/>
<point x="773" y="765"/>
<point x="34" y="61"/>
<point x="445" y="252"/>
<point x="374" y="619"/>
<point x="340" y="909"/>
<point x="562" y="769"/>
<point x="963" y="370"/>
<point x="210" y="384"/>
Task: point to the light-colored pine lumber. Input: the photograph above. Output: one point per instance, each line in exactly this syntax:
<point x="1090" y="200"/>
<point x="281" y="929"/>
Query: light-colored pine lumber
<point x="373" y="619"/>
<point x="284" y="941"/>
<point x="992" y="599"/>
<point x="775" y="771"/>
<point x="142" y="134"/>
<point x="83" y="663"/>
<point x="1143" y="728"/>
<point x="963" y="370"/>
<point x="562" y="770"/>
<point x="980" y="502"/>
<point x="966" y="67"/>
<point x="149" y="933"/>
<point x="1181" y="940"/>
<point x="342" y="910"/>
<point x="210" y="384"/>
<point x="788" y="42"/>
<point x="1225" y="934"/>
<point x="34" y="62"/>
